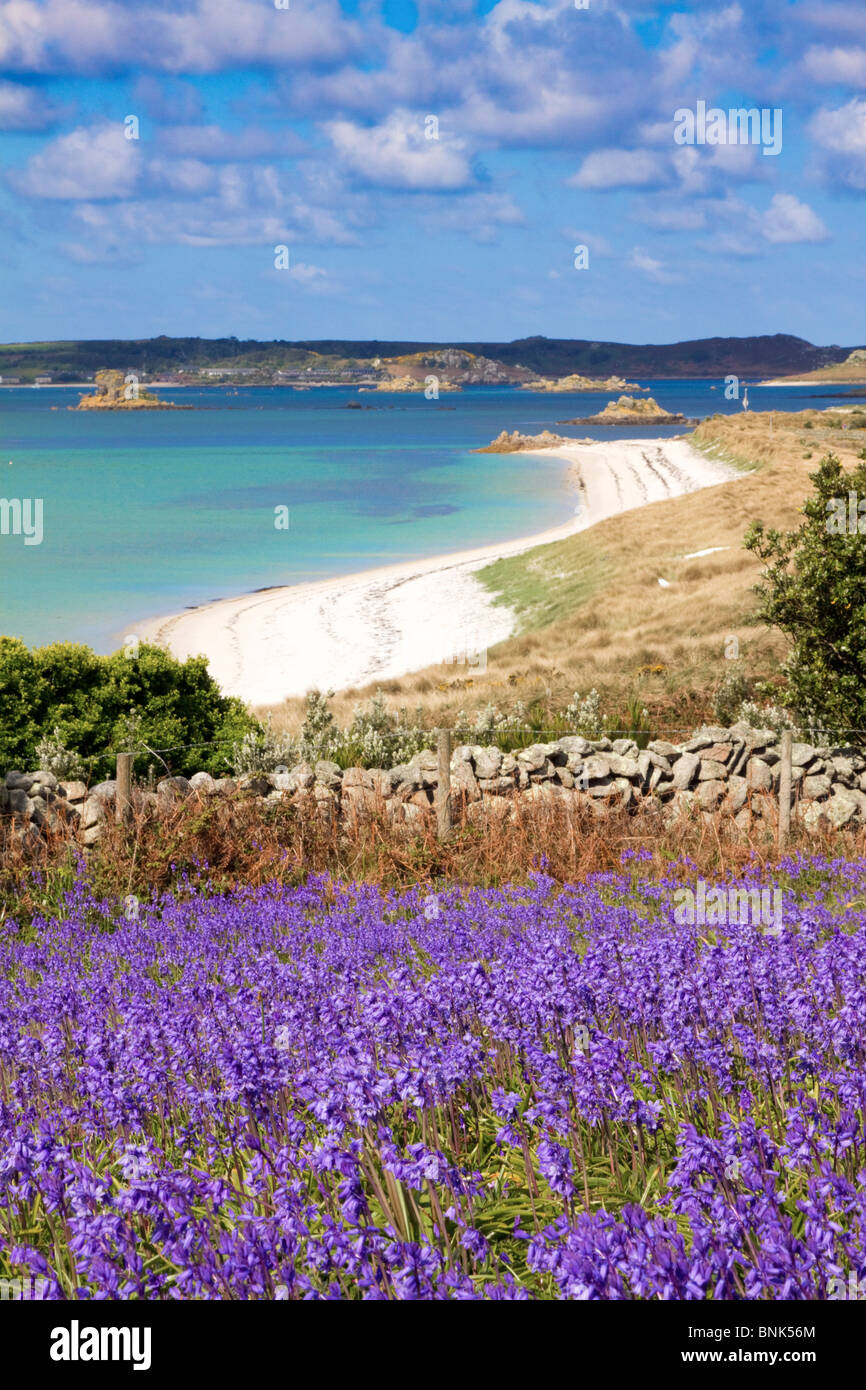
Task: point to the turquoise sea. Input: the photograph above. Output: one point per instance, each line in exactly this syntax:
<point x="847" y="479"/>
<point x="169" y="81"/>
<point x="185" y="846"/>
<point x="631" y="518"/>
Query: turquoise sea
<point x="148" y="513"/>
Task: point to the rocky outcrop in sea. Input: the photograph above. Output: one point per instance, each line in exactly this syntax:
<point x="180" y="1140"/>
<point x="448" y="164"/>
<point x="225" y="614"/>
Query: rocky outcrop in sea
<point x="575" y="382"/>
<point x="517" y="443"/>
<point x="628" y="411"/>
<point x="116" y="391"/>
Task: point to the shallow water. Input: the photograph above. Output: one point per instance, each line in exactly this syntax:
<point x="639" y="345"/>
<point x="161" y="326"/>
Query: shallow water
<point x="147" y="513"/>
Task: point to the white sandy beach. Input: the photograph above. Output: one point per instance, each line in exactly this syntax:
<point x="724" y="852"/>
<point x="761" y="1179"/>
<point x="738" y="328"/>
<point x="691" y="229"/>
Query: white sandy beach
<point x="386" y="622"/>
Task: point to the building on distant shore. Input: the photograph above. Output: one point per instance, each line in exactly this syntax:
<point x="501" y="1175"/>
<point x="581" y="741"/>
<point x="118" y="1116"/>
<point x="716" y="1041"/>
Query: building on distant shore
<point x="230" y="371"/>
<point x="43" y="381"/>
<point x="323" y="373"/>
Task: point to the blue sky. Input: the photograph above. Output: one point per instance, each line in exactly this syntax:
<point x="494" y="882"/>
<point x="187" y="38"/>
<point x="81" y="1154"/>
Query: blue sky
<point x="309" y="127"/>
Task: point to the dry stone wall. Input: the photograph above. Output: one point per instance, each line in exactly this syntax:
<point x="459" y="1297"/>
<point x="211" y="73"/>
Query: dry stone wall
<point x="730" y="771"/>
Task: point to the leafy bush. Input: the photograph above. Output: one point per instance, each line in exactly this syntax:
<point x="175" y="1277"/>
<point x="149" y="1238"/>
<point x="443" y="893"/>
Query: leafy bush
<point x="814" y="590"/>
<point x="67" y="693"/>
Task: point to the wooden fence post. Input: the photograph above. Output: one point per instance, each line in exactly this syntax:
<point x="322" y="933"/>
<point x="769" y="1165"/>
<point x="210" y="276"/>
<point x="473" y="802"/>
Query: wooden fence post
<point x="123" y="795"/>
<point x="785" y="790"/>
<point x="443" y="791"/>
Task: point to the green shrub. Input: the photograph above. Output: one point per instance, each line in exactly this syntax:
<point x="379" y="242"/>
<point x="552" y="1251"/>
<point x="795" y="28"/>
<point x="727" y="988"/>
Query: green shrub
<point x="99" y="705"/>
<point x="813" y="589"/>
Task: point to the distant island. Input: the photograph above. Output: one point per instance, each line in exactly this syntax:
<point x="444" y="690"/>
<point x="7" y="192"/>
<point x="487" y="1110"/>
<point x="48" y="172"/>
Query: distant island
<point x="575" y="382"/>
<point x="850" y="372"/>
<point x="116" y="391"/>
<point x="628" y="411"/>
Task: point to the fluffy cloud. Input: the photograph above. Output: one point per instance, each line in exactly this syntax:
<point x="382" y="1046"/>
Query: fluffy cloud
<point x="24" y="108"/>
<point x="236" y="205"/>
<point x="186" y="176"/>
<point x="621" y="169"/>
<point x="840" y="135"/>
<point x="397" y="154"/>
<point x="787" y="219"/>
<point x="187" y="36"/>
<point x="525" y="76"/>
<point x="844" y="67"/>
<point x="312" y="278"/>
<point x="652" y="268"/>
<point x="90" y="162"/>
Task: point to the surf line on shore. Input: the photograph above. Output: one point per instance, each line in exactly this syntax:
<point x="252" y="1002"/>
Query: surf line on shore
<point x="383" y="623"/>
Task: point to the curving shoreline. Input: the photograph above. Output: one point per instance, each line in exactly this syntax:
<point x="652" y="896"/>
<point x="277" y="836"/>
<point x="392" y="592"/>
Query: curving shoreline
<point x="381" y="623"/>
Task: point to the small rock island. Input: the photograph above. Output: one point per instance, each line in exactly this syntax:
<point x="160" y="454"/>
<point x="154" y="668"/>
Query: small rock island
<point x="517" y="443"/>
<point x="628" y="411"/>
<point x="116" y="391"/>
<point x="576" y="382"/>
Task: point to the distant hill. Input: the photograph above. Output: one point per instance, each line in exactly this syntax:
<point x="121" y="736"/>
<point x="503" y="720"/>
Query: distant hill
<point x="778" y="354"/>
<point x="775" y="355"/>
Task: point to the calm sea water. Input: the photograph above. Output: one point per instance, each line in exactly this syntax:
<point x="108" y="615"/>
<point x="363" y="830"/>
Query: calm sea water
<point x="146" y="513"/>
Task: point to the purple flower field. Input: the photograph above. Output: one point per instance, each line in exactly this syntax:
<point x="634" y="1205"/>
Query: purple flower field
<point x="333" y="1091"/>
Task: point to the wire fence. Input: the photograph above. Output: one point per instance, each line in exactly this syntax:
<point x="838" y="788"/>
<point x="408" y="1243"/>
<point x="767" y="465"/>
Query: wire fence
<point x="826" y="734"/>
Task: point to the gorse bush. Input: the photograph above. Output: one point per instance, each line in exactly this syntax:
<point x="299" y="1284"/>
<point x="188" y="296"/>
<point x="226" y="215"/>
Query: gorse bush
<point x="93" y="705"/>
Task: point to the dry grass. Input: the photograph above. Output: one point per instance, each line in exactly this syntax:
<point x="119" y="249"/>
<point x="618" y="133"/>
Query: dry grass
<point x="225" y="842"/>
<point x="592" y="613"/>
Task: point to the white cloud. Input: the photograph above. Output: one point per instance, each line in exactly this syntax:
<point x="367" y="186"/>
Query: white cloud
<point x="312" y="277"/>
<point x="840" y="134"/>
<point x="620" y="169"/>
<point x="186" y="36"/>
<point x="188" y="176"/>
<point x="397" y="154"/>
<point x="597" y="244"/>
<point x="654" y="269"/>
<point x="248" y="207"/>
<point x="24" y="108"/>
<point x="836" y="66"/>
<point x="479" y="215"/>
<point x="789" y="220"/>
<point x="90" y="162"/>
<point x="670" y="216"/>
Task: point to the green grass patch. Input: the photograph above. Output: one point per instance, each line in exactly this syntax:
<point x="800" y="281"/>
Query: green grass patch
<point x="549" y="583"/>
